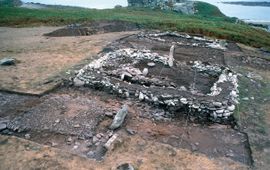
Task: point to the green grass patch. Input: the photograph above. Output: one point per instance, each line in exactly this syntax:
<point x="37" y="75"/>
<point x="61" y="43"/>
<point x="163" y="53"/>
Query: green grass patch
<point x="215" y="26"/>
<point x="10" y="3"/>
<point x="206" y="9"/>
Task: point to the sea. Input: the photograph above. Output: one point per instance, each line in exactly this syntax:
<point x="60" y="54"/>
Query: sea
<point x="247" y="13"/>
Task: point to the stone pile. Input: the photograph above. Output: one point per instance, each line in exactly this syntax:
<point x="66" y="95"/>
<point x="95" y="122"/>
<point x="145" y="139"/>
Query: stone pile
<point x="182" y="6"/>
<point x="197" y="41"/>
<point x="116" y="72"/>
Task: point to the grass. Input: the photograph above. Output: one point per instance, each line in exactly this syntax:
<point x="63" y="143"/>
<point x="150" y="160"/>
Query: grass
<point x="252" y="111"/>
<point x="205" y="9"/>
<point x="215" y="26"/>
<point x="10" y="3"/>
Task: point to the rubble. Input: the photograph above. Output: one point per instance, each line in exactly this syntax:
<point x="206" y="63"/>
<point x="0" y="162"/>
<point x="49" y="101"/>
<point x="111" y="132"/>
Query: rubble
<point x="127" y="73"/>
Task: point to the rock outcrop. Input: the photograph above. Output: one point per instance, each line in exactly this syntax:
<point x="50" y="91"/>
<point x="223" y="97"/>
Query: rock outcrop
<point x="182" y="6"/>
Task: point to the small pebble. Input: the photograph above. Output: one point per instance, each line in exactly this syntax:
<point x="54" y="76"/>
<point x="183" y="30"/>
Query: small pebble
<point x="69" y="139"/>
<point x="53" y="144"/>
<point x="95" y="139"/>
<point x="131" y="132"/>
<point x="27" y="136"/>
<point x="77" y="126"/>
<point x="109" y="114"/>
<point x="151" y="64"/>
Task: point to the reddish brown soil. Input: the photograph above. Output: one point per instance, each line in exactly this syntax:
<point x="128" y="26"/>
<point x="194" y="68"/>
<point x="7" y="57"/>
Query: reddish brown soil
<point x="63" y="122"/>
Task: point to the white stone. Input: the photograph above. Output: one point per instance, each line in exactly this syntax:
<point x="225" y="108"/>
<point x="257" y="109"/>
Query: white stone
<point x="141" y="96"/>
<point x="218" y="104"/>
<point x="78" y="82"/>
<point x="227" y="114"/>
<point x="231" y="108"/>
<point x="145" y="71"/>
<point x="184" y="100"/>
<point x="220" y="111"/>
<point x="171" y="59"/>
<point x="151" y="64"/>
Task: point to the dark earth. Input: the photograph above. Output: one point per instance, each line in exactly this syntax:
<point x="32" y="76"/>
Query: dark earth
<point x="77" y="119"/>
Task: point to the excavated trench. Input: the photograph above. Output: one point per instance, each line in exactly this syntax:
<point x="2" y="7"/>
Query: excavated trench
<point x="172" y="83"/>
<point x="136" y="67"/>
<point x="95" y="27"/>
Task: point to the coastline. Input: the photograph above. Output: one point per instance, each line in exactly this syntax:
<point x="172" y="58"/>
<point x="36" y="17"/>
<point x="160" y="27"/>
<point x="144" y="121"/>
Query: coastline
<point x="259" y="23"/>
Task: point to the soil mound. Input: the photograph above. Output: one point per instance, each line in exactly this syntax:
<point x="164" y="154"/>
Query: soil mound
<point x="94" y="28"/>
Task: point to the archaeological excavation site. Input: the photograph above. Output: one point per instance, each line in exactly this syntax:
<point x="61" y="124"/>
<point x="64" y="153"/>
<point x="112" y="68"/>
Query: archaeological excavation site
<point x="113" y="95"/>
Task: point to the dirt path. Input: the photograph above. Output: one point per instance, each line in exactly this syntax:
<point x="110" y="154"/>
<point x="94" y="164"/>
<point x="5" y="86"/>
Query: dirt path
<point x="42" y="60"/>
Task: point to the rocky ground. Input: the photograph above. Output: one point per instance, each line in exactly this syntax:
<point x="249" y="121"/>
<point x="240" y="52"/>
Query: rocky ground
<point x="192" y="103"/>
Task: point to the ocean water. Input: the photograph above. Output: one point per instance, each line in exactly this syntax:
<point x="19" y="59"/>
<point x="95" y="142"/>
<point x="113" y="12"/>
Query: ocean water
<point x="253" y="13"/>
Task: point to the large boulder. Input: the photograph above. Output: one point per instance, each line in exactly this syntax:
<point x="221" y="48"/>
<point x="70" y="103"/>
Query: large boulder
<point x="182" y="6"/>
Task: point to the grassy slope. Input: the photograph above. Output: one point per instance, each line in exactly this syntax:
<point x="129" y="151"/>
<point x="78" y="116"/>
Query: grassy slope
<point x="206" y="9"/>
<point x="10" y="3"/>
<point x="220" y="27"/>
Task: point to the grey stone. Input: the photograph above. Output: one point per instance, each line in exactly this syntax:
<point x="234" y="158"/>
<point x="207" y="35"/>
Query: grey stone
<point x="184" y="100"/>
<point x="54" y="144"/>
<point x="126" y="75"/>
<point x="171" y="59"/>
<point x="227" y="114"/>
<point x="131" y="131"/>
<point x="27" y="136"/>
<point x="95" y="139"/>
<point x="220" y="111"/>
<point x="145" y="71"/>
<point x="7" y="62"/>
<point x="3" y="126"/>
<point x="181" y="6"/>
<point x="231" y="108"/>
<point x="69" y="139"/>
<point x="77" y="126"/>
<point x="194" y="147"/>
<point x="155" y="99"/>
<point x="109" y="114"/>
<point x="110" y="142"/>
<point x="141" y="96"/>
<point x="98" y="154"/>
<point x="125" y="166"/>
<point x="89" y="144"/>
<point x="99" y="135"/>
<point x="91" y="154"/>
<point x="245" y="98"/>
<point x="119" y="118"/>
<point x="78" y="82"/>
<point x="126" y="94"/>
<point x="218" y="104"/>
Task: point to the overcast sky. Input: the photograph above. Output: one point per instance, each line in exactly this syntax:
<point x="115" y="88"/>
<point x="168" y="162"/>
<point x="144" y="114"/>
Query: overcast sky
<point x="83" y="3"/>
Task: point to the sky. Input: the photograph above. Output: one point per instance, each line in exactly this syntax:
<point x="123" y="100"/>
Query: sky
<point x="99" y="4"/>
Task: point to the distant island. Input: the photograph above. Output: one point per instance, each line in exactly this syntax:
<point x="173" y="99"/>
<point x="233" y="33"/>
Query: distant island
<point x="249" y="3"/>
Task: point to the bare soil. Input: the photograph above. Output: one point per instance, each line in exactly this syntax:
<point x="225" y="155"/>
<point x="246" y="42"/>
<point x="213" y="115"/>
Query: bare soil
<point x="42" y="61"/>
<point x="67" y="128"/>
